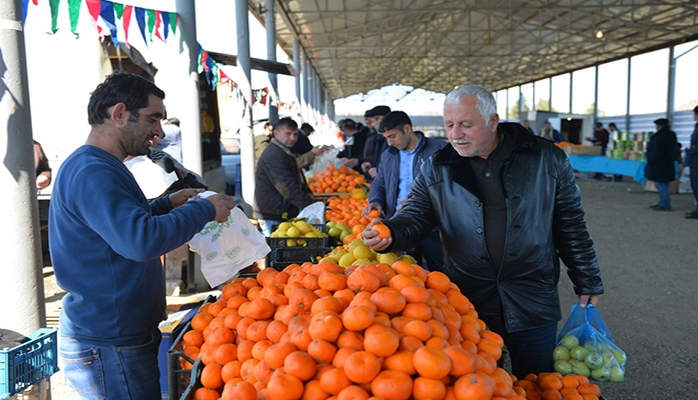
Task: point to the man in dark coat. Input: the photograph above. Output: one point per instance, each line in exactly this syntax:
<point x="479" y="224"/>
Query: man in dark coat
<point x="509" y="210"/>
<point x="353" y="154"/>
<point x="691" y="161"/>
<point x="661" y="154"/>
<point x="375" y="142"/>
<point x="279" y="185"/>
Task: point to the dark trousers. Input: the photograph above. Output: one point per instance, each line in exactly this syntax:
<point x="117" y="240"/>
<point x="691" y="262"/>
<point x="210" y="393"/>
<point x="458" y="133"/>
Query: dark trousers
<point x="694" y="183"/>
<point x="431" y="250"/>
<point x="531" y="351"/>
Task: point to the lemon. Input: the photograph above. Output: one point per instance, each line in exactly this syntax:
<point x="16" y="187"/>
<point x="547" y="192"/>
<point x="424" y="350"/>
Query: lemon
<point x="303" y="227"/>
<point x="293" y="232"/>
<point x="290" y="243"/>
<point x="408" y="259"/>
<point x="353" y="245"/>
<point x="346" y="260"/>
<point x="337" y="254"/>
<point x="387" y="258"/>
<point x="362" y="251"/>
<point x="334" y="232"/>
<point x="361" y="261"/>
<point x="328" y="259"/>
<point x="284" y="226"/>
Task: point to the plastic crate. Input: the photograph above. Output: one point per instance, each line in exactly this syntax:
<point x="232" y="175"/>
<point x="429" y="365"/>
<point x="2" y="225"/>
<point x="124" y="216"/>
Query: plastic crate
<point x="179" y="378"/>
<point x="28" y="363"/>
<point x="281" y="257"/>
<point x="278" y="243"/>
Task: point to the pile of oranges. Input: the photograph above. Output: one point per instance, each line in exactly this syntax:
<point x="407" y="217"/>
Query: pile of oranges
<point x="337" y="180"/>
<point x="318" y="331"/>
<point x="347" y="210"/>
<point x="554" y="386"/>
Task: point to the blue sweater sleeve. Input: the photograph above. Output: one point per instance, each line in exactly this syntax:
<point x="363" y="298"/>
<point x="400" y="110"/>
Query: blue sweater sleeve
<point x="119" y="213"/>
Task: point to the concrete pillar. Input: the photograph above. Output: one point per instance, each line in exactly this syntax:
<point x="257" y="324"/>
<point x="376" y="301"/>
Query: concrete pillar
<point x="270" y="25"/>
<point x="187" y="90"/>
<point x="22" y="295"/>
<point x="297" y="67"/>
<point x="246" y="134"/>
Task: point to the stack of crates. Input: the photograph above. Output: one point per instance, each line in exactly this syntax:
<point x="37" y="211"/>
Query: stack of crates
<point x="287" y="251"/>
<point x="29" y="362"/>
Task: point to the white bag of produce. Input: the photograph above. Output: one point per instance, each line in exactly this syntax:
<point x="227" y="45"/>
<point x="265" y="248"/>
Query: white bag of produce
<point x="228" y="247"/>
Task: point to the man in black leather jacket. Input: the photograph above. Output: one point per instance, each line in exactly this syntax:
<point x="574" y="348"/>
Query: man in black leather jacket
<point x="509" y="209"/>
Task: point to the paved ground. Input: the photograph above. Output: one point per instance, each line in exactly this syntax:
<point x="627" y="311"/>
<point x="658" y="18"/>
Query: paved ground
<point x="649" y="263"/>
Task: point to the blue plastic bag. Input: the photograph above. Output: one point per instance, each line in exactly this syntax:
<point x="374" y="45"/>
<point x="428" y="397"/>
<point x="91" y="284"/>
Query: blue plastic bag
<point x="586" y="347"/>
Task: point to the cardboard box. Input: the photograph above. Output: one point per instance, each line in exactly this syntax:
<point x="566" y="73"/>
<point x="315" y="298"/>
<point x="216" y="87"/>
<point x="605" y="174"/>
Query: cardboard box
<point x="583" y="150"/>
<point x="673" y="186"/>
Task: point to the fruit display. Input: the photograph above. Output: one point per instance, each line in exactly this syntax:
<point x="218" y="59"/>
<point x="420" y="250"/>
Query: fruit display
<point x="317" y="330"/>
<point x="553" y="385"/>
<point x="296" y="232"/>
<point x="338" y="180"/>
<point x="599" y="360"/>
<point x="347" y="210"/>
<point x="357" y="253"/>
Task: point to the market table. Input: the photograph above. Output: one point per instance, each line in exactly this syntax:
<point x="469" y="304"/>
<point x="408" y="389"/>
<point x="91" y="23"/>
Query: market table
<point x="605" y="165"/>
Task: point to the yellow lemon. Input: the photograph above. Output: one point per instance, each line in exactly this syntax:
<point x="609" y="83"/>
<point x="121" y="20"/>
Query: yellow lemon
<point x="362" y="251"/>
<point x="346" y="260"/>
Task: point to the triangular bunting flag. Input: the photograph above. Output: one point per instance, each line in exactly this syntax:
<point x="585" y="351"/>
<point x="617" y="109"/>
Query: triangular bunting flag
<point x="107" y="14"/>
<point x="140" y="18"/>
<point x="127" y="22"/>
<point x="151" y="23"/>
<point x="54" y="14"/>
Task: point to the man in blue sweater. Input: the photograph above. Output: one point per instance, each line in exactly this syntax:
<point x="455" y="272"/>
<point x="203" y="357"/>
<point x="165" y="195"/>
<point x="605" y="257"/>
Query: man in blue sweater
<point x="106" y="239"/>
<point x="399" y="166"/>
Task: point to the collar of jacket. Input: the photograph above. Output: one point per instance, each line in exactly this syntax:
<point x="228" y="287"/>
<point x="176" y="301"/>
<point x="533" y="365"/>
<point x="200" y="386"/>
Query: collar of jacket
<point x="394" y="151"/>
<point x="523" y="141"/>
<point x="283" y="147"/>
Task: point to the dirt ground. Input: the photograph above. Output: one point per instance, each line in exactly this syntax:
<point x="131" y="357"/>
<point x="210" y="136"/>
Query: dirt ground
<point x="649" y="263"/>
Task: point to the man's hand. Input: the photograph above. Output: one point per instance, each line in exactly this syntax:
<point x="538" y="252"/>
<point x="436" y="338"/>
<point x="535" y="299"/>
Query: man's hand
<point x="317" y="150"/>
<point x="181" y="196"/>
<point x="349" y="162"/>
<point x="223" y="204"/>
<point x="589" y="298"/>
<point x="372" y="240"/>
<point x="370" y="207"/>
<point x="373" y="172"/>
<point x="365" y="166"/>
<point x="42" y="182"/>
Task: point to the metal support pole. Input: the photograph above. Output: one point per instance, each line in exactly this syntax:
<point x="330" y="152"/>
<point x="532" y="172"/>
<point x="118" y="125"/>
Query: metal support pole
<point x="297" y="67"/>
<point x="671" y="86"/>
<point x="246" y="134"/>
<point x="24" y="308"/>
<point x="270" y="25"/>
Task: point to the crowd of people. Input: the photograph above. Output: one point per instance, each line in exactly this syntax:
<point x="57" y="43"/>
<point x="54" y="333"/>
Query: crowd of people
<point x="462" y="205"/>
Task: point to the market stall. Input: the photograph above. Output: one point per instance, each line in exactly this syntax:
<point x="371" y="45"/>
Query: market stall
<point x="635" y="169"/>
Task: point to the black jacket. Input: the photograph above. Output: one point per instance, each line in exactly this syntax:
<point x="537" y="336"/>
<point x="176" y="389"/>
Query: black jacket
<point x="691" y="159"/>
<point x="545" y="220"/>
<point x="661" y="155"/>
<point x="279" y="186"/>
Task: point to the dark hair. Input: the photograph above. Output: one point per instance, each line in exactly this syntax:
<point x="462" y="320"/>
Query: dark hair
<point x="307" y="128"/>
<point x="612" y="125"/>
<point x="120" y="87"/>
<point x="598" y="125"/>
<point x="695" y="109"/>
<point x="268" y="124"/>
<point x="348" y="125"/>
<point x="394" y="120"/>
<point x="285" y="122"/>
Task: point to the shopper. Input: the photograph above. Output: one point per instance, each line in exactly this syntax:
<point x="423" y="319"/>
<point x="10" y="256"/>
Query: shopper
<point x="600" y="139"/>
<point x="106" y="240"/>
<point x="400" y="164"/>
<point x="280" y="188"/>
<point x="550" y="133"/>
<point x="43" y="170"/>
<point x="509" y="210"/>
<point x="660" y="168"/>
<point x="691" y="161"/>
<point x="375" y="143"/>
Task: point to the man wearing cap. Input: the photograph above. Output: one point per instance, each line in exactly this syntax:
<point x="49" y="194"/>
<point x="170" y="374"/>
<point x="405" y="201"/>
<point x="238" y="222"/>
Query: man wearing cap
<point x="661" y="153"/>
<point x="375" y="143"/>
<point x="691" y="161"/>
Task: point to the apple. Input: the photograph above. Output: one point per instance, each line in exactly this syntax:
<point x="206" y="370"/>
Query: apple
<point x="608" y="359"/>
<point x="569" y="341"/>
<point x="601" y="374"/>
<point x="620" y="356"/>
<point x="579" y="368"/>
<point x="578" y="353"/>
<point x="593" y="360"/>
<point x="590" y="346"/>
<point x="561" y="353"/>
<point x="563" y="367"/>
<point x="617" y="374"/>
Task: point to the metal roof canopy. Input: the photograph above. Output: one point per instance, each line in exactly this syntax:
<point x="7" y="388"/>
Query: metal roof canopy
<point x="359" y="45"/>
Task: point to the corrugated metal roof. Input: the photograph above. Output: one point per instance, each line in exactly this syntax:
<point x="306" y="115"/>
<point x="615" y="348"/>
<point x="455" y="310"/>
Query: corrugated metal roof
<point x="359" y="45"/>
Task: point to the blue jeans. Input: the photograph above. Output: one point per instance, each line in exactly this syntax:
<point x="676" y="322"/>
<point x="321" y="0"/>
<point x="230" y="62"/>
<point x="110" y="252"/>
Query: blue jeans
<point x="266" y="226"/>
<point x="112" y="372"/>
<point x="531" y="351"/>
<point x="664" y="197"/>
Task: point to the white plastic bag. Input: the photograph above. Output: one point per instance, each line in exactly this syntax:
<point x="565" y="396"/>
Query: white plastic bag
<point x="323" y="160"/>
<point x="228" y="247"/>
<point x="314" y="213"/>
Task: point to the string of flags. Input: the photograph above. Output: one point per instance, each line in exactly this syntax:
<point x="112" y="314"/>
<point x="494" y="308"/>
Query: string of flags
<point x="116" y="17"/>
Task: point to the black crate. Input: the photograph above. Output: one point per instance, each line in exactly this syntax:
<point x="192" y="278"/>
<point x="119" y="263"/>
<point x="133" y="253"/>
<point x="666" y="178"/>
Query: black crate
<point x="281" y="257"/>
<point x="278" y="243"/>
<point x="180" y="380"/>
